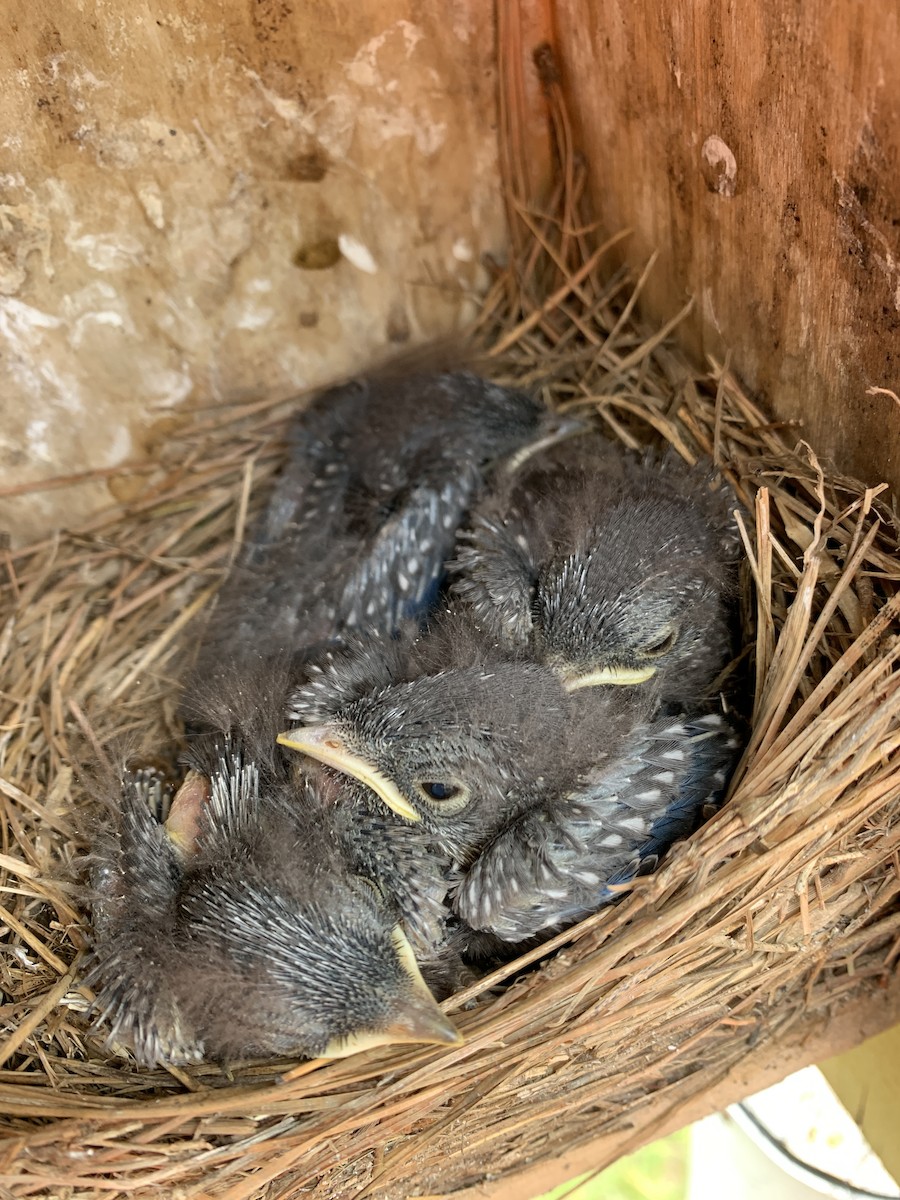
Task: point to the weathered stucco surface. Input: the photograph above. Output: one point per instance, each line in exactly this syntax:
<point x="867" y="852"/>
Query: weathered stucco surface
<point x="201" y="199"/>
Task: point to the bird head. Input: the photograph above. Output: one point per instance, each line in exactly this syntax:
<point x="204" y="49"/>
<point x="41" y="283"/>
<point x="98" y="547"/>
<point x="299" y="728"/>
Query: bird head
<point x="459" y="750"/>
<point x="415" y="422"/>
<point x="240" y="927"/>
<point x="642" y="596"/>
<point x="271" y="974"/>
<point x="610" y="569"/>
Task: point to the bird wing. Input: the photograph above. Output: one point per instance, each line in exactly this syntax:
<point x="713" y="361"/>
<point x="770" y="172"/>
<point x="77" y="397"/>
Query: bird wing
<point x="365" y="513"/>
<point x="496" y="576"/>
<point x="135" y="878"/>
<point x="565" y="859"/>
<point x="230" y="803"/>
<point x="138" y="861"/>
<point x="399" y="572"/>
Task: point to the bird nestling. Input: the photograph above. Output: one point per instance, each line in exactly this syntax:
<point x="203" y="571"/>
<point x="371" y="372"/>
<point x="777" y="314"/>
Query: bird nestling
<point x="366" y="510"/>
<point x="610" y="569"/>
<point x="543" y="801"/>
<point x="451" y="731"/>
<point x="457" y="751"/>
<point x="238" y="924"/>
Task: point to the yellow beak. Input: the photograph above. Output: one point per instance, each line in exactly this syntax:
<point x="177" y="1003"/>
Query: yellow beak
<point x="322" y="743"/>
<point x="605" y="676"/>
<point x="416" y="1018"/>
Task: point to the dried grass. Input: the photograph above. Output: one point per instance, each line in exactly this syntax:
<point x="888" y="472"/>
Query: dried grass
<point x="785" y="904"/>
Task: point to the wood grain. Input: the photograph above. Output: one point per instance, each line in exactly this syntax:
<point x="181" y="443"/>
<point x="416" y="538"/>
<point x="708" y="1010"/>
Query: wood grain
<point x="757" y="147"/>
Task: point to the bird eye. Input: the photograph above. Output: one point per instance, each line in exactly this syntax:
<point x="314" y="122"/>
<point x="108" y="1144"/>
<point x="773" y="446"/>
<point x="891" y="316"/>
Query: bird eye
<point x="439" y="791"/>
<point x="662" y="645"/>
<point x="448" y="797"/>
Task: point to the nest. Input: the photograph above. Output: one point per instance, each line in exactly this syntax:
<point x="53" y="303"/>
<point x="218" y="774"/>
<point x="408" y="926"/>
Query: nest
<point x="783" y="906"/>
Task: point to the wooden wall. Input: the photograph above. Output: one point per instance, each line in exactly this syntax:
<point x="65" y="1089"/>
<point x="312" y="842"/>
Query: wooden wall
<point x="201" y="198"/>
<point x="756" y="145"/>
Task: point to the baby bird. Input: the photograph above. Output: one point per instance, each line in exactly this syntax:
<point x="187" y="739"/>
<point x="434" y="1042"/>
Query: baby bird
<point x="457" y="751"/>
<point x="450" y="731"/>
<point x="239" y="923"/>
<point x="609" y="569"/>
<point x="366" y="510"/>
<point x="541" y="799"/>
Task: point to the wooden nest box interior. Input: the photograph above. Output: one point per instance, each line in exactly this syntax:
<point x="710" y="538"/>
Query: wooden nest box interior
<point x="683" y="218"/>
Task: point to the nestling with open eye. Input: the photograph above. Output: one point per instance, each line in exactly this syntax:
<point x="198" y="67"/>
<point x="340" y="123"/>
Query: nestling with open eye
<point x="545" y="800"/>
<point x="458" y="751"/>
<point x="610" y="569"/>
<point x="451" y="731"/>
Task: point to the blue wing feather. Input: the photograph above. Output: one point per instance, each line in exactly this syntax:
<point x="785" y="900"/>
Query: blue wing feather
<point x="561" y="861"/>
